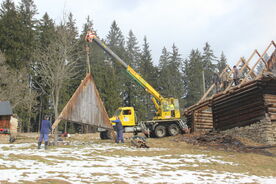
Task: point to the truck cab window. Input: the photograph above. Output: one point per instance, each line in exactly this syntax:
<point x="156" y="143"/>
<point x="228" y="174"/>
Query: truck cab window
<point x="127" y="112"/>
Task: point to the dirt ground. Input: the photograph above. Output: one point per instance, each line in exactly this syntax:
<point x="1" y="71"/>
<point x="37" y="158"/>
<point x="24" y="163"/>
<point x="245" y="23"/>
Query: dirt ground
<point x="179" y="159"/>
<point x="220" y="141"/>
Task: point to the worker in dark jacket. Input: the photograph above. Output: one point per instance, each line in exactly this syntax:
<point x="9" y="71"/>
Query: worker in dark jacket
<point x="119" y="130"/>
<point x="216" y="81"/>
<point x="46" y="127"/>
<point x="236" y="75"/>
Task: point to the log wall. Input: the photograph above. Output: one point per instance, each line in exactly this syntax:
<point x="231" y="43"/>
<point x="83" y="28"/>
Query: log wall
<point x="246" y="105"/>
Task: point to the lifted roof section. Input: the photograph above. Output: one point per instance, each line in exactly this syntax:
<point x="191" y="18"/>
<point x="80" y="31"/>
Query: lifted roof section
<point x="85" y="106"/>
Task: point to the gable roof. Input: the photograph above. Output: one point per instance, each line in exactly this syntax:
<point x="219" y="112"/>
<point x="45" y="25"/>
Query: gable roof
<point x="85" y="106"/>
<point x="5" y="108"/>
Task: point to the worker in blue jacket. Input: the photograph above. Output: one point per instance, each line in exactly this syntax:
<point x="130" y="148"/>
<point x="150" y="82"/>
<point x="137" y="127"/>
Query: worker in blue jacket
<point x="46" y="128"/>
<point x="119" y="130"/>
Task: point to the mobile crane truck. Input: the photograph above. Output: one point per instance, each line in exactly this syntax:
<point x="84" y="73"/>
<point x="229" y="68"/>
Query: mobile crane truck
<point x="167" y="116"/>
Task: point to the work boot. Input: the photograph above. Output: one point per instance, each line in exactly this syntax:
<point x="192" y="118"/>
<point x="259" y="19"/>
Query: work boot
<point x="38" y="145"/>
<point x="46" y="144"/>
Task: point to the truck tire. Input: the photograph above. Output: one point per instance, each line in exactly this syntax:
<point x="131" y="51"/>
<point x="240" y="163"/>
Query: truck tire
<point x="105" y="135"/>
<point x="173" y="129"/>
<point x="160" y="131"/>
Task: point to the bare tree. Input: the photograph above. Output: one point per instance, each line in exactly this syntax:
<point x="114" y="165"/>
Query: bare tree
<point x="15" y="86"/>
<point x="56" y="64"/>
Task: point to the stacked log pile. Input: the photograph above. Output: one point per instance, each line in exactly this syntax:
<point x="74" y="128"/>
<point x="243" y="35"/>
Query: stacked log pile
<point x="199" y="116"/>
<point x="270" y="102"/>
<point x="203" y="120"/>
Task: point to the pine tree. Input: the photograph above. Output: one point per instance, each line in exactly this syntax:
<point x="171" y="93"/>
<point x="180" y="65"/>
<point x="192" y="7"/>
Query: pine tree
<point x="132" y="50"/>
<point x="149" y="73"/>
<point x="176" y="88"/>
<point x="115" y="39"/>
<point x="10" y="34"/>
<point x="208" y="64"/>
<point x="193" y="77"/>
<point x="164" y="59"/>
<point x="45" y="31"/>
<point x="163" y="72"/>
<point x="222" y="62"/>
<point x="117" y="77"/>
<point x="170" y="77"/>
<point x="146" y="68"/>
<point x="27" y="11"/>
<point x="132" y="58"/>
<point x="73" y="39"/>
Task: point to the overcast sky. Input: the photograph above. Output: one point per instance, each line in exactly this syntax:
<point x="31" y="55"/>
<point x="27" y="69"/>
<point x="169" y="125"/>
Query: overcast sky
<point x="236" y="27"/>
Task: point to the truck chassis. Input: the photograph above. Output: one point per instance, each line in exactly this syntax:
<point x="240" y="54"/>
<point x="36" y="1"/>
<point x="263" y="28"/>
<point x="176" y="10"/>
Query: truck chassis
<point x="154" y="128"/>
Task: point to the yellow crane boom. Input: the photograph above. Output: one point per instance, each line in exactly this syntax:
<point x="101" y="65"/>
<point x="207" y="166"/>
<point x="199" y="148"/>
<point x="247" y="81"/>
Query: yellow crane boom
<point x="166" y="108"/>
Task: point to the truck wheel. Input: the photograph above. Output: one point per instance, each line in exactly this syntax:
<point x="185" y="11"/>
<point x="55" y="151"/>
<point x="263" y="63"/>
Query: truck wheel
<point x="160" y="131"/>
<point x="173" y="129"/>
<point x="105" y="135"/>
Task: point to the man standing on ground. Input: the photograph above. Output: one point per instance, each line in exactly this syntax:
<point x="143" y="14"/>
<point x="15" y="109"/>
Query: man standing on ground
<point x="46" y="127"/>
<point x="236" y="76"/>
<point x="119" y="130"/>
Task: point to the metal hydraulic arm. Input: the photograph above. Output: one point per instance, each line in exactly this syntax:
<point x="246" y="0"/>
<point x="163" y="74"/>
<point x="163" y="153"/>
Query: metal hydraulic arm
<point x="157" y="98"/>
<point x="92" y="37"/>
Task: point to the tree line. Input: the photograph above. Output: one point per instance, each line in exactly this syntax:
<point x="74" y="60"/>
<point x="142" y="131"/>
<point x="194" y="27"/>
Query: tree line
<point x="42" y="63"/>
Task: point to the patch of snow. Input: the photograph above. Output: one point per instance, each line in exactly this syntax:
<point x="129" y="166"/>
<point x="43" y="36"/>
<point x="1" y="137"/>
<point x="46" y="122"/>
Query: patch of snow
<point x="88" y="165"/>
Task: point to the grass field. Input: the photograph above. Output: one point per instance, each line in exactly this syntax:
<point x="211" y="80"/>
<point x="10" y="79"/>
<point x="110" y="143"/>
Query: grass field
<point x="90" y="160"/>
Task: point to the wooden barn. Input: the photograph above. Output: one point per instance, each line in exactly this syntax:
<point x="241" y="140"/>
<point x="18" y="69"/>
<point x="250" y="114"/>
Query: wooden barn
<point x="5" y="117"/>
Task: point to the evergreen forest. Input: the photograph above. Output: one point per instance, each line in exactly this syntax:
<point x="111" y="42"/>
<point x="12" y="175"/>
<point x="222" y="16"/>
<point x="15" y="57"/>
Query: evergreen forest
<point x="42" y="62"/>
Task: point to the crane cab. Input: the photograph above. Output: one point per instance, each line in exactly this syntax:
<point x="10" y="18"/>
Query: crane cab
<point x="169" y="109"/>
<point x="126" y="115"/>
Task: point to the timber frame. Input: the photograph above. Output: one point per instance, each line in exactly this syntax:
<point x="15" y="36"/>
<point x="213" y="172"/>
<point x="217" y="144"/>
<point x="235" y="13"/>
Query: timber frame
<point x="256" y="76"/>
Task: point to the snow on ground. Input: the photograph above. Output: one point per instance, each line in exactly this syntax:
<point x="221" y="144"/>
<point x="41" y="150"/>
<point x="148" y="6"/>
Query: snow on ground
<point x="90" y="164"/>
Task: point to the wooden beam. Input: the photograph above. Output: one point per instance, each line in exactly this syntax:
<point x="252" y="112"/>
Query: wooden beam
<point x="260" y="58"/>
<point x="213" y="85"/>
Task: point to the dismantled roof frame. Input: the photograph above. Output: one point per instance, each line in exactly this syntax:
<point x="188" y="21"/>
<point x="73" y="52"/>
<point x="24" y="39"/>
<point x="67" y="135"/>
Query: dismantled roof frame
<point x="85" y="106"/>
<point x="252" y="100"/>
<point x="249" y="69"/>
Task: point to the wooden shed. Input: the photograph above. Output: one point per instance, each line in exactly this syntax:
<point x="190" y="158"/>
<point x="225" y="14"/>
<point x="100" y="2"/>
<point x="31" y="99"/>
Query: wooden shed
<point x="5" y="117"/>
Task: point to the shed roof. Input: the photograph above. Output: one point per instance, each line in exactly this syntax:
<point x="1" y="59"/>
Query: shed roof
<point x="5" y="108"/>
<point x="85" y="106"/>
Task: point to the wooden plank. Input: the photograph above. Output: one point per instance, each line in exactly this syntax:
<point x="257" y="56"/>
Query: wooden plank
<point x="272" y="109"/>
<point x="234" y="110"/>
<point x="269" y="96"/>
<point x="204" y="114"/>
<point x="207" y="125"/>
<point x="271" y="105"/>
<point x="204" y="122"/>
<point x="260" y="58"/>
